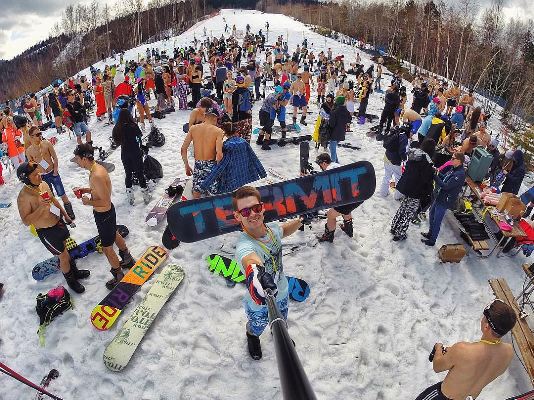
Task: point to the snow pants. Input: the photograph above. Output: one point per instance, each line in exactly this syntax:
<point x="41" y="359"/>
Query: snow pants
<point x="405" y="213"/>
<point x="390" y="170"/>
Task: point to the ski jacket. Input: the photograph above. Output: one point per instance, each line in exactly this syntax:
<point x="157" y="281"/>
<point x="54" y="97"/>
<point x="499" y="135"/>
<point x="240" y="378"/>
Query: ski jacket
<point x="436" y="130"/>
<point x="514" y="178"/>
<point x="123" y="89"/>
<point x="11" y="136"/>
<point x="457" y="119"/>
<point x="396" y="154"/>
<point x="339" y="118"/>
<point x="416" y="180"/>
<point x="239" y="166"/>
<point x="427" y="121"/>
<point x="392" y="100"/>
<point x="160" y="84"/>
<point x="420" y="99"/>
<point x="449" y="184"/>
<point x="76" y="111"/>
<point x="220" y="74"/>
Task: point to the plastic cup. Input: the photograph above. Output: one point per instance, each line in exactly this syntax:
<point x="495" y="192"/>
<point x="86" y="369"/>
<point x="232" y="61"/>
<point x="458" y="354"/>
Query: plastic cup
<point x="77" y="192"/>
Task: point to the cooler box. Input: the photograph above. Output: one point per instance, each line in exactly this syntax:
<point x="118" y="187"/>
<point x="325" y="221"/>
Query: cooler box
<point x="479" y="164"/>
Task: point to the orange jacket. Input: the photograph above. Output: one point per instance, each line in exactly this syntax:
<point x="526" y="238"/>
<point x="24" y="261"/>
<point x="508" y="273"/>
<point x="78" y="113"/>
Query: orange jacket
<point x="11" y="136"/>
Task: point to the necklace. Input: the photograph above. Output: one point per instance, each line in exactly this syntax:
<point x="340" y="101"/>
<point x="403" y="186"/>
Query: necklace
<point x="490" y="341"/>
<point x="33" y="189"/>
<point x="264" y="248"/>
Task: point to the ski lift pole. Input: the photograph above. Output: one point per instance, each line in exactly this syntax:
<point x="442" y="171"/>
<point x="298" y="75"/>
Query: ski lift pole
<point x="295" y="383"/>
<point x="9" y="372"/>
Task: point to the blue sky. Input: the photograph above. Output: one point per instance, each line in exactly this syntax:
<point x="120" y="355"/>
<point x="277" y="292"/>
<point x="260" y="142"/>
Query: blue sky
<point x="26" y="22"/>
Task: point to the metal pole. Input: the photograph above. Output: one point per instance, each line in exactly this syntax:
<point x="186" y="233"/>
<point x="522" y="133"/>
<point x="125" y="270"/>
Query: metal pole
<point x="295" y="384"/>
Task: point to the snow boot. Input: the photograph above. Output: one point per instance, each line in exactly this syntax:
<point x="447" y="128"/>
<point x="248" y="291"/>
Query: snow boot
<point x="260" y="139"/>
<point x="347" y="227"/>
<point x="265" y="145"/>
<point x="147" y="196"/>
<point x="79" y="273"/>
<point x="294" y="121"/>
<point x="130" y="196"/>
<point x="73" y="283"/>
<point x="127" y="261"/>
<point x="254" y="346"/>
<point x="328" y="236"/>
<point x="361" y="120"/>
<point x="303" y="121"/>
<point x="117" y="277"/>
<point x="69" y="211"/>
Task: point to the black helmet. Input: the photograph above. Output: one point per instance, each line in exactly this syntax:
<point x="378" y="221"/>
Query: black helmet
<point x="20" y="121"/>
<point x="84" y="150"/>
<point x="23" y="172"/>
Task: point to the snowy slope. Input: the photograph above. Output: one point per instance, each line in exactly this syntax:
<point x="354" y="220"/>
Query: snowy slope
<point x="376" y="307"/>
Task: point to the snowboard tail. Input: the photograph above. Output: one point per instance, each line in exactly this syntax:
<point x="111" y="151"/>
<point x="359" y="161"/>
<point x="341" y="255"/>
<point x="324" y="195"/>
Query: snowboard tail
<point x="200" y="219"/>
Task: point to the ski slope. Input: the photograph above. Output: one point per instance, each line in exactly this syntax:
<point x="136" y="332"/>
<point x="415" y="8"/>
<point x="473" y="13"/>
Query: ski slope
<point x="376" y="307"/>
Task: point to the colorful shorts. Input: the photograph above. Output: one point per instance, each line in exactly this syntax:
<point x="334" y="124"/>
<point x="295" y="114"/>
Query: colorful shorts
<point x="200" y="173"/>
<point x="259" y="319"/>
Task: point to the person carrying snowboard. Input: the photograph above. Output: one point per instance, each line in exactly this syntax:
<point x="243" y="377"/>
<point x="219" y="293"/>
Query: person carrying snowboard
<point x="259" y="251"/>
<point x="473" y="365"/>
<point x="38" y="207"/>
<point x="99" y="198"/>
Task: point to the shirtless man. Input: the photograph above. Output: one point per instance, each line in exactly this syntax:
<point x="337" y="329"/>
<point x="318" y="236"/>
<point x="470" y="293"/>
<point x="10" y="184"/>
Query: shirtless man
<point x="207" y="143"/>
<point x="41" y="152"/>
<point x="306" y="78"/>
<point x="38" y="207"/>
<point x="467" y="101"/>
<point x="298" y="90"/>
<point x="472" y="366"/>
<point x="99" y="198"/>
<point x="198" y="114"/>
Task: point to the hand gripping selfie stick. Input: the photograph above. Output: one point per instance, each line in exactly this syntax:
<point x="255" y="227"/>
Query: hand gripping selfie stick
<point x="295" y="384"/>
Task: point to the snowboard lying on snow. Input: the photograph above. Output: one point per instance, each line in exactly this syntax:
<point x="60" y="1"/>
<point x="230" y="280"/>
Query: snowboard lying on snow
<point x="200" y="219"/>
<point x="220" y="265"/>
<point x="158" y="212"/>
<point x="121" y="349"/>
<point x="50" y="266"/>
<point x="108" y="310"/>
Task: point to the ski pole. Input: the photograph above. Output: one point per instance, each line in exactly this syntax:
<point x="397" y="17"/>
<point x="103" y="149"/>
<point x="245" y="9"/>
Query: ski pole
<point x="8" y="371"/>
<point x="295" y="384"/>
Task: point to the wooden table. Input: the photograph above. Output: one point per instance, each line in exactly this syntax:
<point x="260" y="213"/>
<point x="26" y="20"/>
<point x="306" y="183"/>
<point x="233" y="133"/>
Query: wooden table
<point x="521" y="331"/>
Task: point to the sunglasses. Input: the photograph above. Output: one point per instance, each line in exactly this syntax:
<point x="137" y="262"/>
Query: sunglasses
<point x="247" y="211"/>
<point x="487" y="314"/>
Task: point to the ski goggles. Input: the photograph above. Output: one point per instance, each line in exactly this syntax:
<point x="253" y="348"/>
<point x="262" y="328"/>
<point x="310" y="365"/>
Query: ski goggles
<point x="247" y="211"/>
<point x="491" y="323"/>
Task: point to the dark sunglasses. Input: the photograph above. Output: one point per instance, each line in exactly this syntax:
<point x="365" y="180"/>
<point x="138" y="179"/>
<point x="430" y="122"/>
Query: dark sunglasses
<point x="247" y="211"/>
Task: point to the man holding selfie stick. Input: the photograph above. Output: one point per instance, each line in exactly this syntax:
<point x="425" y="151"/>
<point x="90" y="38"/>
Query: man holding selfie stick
<point x="472" y="366"/>
<point x="259" y="251"/>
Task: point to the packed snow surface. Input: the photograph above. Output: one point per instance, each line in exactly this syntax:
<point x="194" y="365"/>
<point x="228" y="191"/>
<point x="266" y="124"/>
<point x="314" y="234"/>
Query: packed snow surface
<point x="376" y="307"/>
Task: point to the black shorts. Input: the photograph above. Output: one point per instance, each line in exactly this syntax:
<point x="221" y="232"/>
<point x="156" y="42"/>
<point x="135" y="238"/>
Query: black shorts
<point x="106" y="225"/>
<point x="56" y="112"/>
<point x="432" y="393"/>
<point x="347" y="208"/>
<point x="266" y="122"/>
<point x="54" y="237"/>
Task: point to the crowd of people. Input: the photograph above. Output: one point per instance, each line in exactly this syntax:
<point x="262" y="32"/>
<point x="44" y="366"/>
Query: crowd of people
<point x="427" y="147"/>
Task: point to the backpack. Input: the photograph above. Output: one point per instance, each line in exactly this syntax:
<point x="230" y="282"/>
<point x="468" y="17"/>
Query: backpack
<point x="156" y="138"/>
<point x="245" y="103"/>
<point x="391" y="141"/>
<point x="152" y="168"/>
<point x="49" y="306"/>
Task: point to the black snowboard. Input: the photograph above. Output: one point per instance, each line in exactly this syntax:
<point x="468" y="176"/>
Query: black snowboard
<point x="305" y="157"/>
<point x="200" y="219"/>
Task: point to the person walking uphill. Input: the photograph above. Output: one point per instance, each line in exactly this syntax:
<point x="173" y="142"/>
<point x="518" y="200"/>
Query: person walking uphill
<point x="99" y="198"/>
<point x="259" y="252"/>
<point x="449" y="182"/>
<point x="339" y="118"/>
<point x="128" y="135"/>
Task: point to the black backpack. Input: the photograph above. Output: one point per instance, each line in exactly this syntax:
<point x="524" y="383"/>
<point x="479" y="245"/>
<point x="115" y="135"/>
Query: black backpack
<point x="156" y="138"/>
<point x="49" y="306"/>
<point x="152" y="168"/>
<point x="391" y="140"/>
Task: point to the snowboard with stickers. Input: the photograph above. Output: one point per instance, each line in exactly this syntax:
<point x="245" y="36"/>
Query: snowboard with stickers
<point x="106" y="312"/>
<point x="158" y="212"/>
<point x="118" y="353"/>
